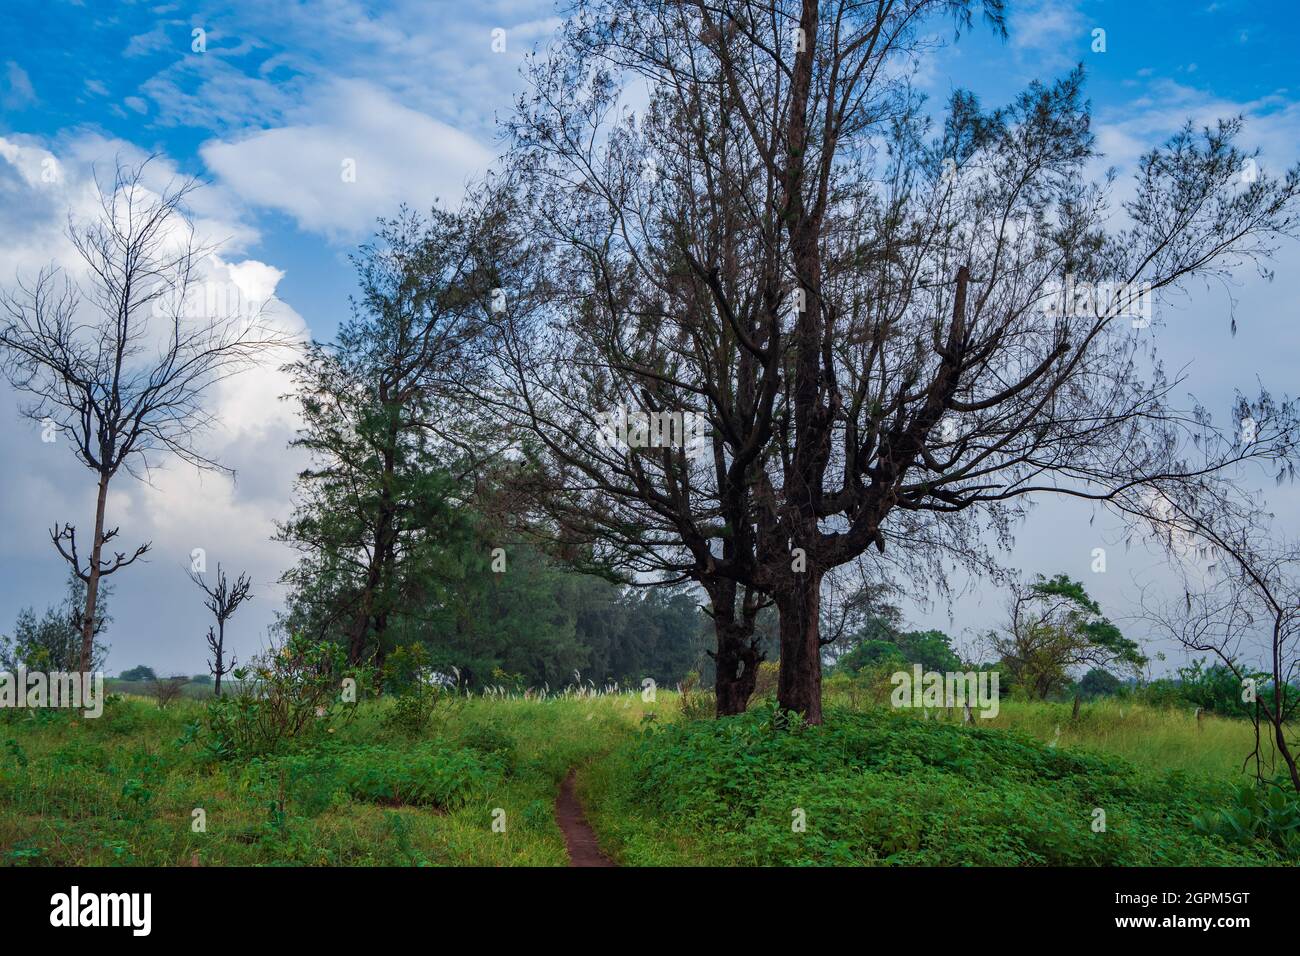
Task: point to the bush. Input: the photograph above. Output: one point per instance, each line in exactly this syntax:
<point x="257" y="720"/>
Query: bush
<point x="291" y="695"/>
<point x="879" y="787"/>
<point x="1259" y="811"/>
<point x="429" y="775"/>
<point x="166" y="690"/>
<point x="695" y="704"/>
<point x="491" y="741"/>
<point x="138" y="673"/>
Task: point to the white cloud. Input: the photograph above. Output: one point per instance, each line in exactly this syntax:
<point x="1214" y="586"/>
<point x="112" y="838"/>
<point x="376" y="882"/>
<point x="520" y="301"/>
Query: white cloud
<point x="18" y="90"/>
<point x="180" y="508"/>
<point x="1051" y="30"/>
<point x="399" y="155"/>
<point x="155" y="41"/>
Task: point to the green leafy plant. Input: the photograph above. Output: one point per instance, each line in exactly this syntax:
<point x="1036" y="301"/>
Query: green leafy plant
<point x="290" y="695"/>
<point x="1258" y="811"/>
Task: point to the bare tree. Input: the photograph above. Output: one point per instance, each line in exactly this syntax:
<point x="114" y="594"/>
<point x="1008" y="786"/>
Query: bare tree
<point x="168" y="689"/>
<point x="1240" y="603"/>
<point x="223" y="599"/>
<point x="863" y="307"/>
<point x="120" y="361"/>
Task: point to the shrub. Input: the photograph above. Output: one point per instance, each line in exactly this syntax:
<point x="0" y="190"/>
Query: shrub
<point x="290" y="695"/>
<point x="880" y="787"/>
<point x="492" y="741"/>
<point x="420" y="699"/>
<point x="166" y="690"/>
<point x="694" y="703"/>
<point x="430" y="775"/>
<point x="1258" y="811"/>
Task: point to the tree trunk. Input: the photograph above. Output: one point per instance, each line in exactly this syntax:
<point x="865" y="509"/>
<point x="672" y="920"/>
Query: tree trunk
<point x="385" y="541"/>
<point x="92" y="579"/>
<point x="221" y="660"/>
<point x="799" y="687"/>
<point x="737" y="661"/>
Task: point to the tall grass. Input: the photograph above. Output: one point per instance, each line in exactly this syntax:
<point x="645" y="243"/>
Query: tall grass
<point x="1157" y="738"/>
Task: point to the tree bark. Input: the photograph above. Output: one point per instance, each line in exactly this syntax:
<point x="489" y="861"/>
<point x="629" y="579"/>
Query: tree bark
<point x="737" y="661"/>
<point x="92" y="578"/>
<point x="221" y="660"/>
<point x="799" y="687"/>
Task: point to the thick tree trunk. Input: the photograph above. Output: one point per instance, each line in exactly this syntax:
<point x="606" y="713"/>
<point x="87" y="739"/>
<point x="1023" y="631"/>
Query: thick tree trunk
<point x="92" y="579"/>
<point x="737" y="661"/>
<point x="799" y="687"/>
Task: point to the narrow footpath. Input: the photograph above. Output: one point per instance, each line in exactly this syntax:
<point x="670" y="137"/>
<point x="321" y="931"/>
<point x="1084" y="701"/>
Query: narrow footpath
<point x="578" y="835"/>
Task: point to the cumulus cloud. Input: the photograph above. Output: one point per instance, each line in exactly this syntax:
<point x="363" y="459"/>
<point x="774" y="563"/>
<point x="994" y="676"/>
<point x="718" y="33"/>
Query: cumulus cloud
<point x="179" y="508"/>
<point x="354" y="154"/>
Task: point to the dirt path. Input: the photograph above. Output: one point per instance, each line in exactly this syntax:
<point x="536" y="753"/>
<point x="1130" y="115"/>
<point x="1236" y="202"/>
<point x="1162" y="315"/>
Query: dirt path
<point x="578" y="835"/>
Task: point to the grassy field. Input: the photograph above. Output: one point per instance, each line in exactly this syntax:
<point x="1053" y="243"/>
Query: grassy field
<point x="876" y="786"/>
<point x="122" y="789"/>
<point x="869" y="787"/>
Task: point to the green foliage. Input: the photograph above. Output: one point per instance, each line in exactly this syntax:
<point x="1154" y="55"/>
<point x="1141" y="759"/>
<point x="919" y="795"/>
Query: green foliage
<point x="138" y="673"/>
<point x="878" y="787"/>
<point x="1055" y="628"/>
<point x="1084" y="615"/>
<point x="1099" y="683"/>
<point x="1258" y="811"/>
<point x="696" y="704"/>
<point x="931" y="649"/>
<point x="870" y="654"/>
<point x="420" y="699"/>
<point x="1216" y="689"/>
<point x="428" y="775"/>
<point x="366" y="795"/>
<point x="288" y="696"/>
<point x="52" y="642"/>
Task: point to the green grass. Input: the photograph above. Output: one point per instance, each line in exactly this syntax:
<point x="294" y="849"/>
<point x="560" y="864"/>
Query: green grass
<point x="879" y="787"/>
<point x="873" y="786"/>
<point x="121" y="789"/>
<point x="1148" y="736"/>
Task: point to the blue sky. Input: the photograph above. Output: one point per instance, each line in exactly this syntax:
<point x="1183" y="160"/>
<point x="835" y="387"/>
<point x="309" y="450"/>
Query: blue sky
<point x="287" y="91"/>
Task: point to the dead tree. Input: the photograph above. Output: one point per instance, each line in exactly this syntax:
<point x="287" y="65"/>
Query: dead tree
<point x="1240" y="603"/>
<point x="120" y="363"/>
<point x="223" y="599"/>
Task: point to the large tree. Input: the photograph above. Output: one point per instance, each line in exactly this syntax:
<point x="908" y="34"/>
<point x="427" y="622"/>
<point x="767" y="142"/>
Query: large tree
<point x="862" y="304"/>
<point x="119" y="362"/>
<point x="382" y="503"/>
